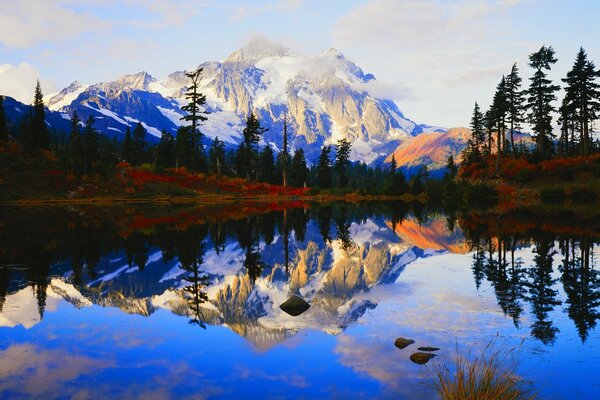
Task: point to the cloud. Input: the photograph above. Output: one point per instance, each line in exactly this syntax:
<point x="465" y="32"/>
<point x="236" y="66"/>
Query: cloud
<point x="254" y="9"/>
<point x="18" y="81"/>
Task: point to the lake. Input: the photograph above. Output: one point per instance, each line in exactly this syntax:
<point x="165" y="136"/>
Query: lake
<point x="183" y="301"/>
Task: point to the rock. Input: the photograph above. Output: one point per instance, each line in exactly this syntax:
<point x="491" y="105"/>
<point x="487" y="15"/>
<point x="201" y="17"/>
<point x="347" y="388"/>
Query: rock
<point x="421" y="358"/>
<point x="402" y="342"/>
<point x="294" y="306"/>
<point x="428" y="348"/>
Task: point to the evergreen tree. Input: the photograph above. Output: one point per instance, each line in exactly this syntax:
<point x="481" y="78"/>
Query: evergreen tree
<point x="128" y="147"/>
<point x="249" y="153"/>
<point x="582" y="99"/>
<point x="37" y="136"/>
<point x="184" y="147"/>
<point x="515" y="98"/>
<point x="165" y="153"/>
<point x="139" y="144"/>
<point x="299" y="170"/>
<point x="541" y="94"/>
<point x="90" y="145"/>
<point x="284" y="153"/>
<point x="477" y="127"/>
<point x="216" y="157"/>
<point x="499" y="111"/>
<point x="76" y="147"/>
<point x="3" y="124"/>
<point x="324" y="180"/>
<point x="342" y="161"/>
<point x="451" y="167"/>
<point x="490" y="123"/>
<point x="196" y="101"/>
<point x="266" y="167"/>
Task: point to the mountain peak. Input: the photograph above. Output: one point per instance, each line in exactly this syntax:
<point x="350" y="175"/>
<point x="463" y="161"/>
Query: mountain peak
<point x="139" y="81"/>
<point x="257" y="48"/>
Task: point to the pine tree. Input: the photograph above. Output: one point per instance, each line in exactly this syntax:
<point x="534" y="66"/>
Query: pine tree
<point x="196" y="101"/>
<point x="216" y="157"/>
<point x="490" y="123"/>
<point x="324" y="180"/>
<point x="451" y="167"/>
<point x="477" y="127"/>
<point x="582" y="98"/>
<point x="298" y="170"/>
<point x="3" y="124"/>
<point x="76" y="147"/>
<point x="516" y="100"/>
<point x="541" y="94"/>
<point x="139" y="144"/>
<point x="37" y="136"/>
<point x="90" y="145"/>
<point x="266" y="167"/>
<point x="165" y="153"/>
<point x="284" y="153"/>
<point x="342" y="161"/>
<point x="128" y="147"/>
<point x="252" y="133"/>
<point x="499" y="111"/>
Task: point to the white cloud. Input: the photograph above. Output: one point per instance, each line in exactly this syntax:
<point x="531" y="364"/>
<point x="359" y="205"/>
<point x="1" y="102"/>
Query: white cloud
<point x="253" y="9"/>
<point x="18" y="81"/>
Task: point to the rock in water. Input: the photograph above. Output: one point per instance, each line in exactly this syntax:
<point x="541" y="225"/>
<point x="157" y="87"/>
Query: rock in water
<point x="402" y="342"/>
<point x="421" y="358"/>
<point x="428" y="348"/>
<point x="295" y="306"/>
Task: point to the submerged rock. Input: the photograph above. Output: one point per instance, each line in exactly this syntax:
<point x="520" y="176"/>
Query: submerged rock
<point x="403" y="342"/>
<point x="294" y="306"/>
<point x="428" y="348"/>
<point x="421" y="358"/>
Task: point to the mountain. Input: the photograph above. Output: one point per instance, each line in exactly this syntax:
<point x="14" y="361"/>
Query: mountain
<point x="326" y="97"/>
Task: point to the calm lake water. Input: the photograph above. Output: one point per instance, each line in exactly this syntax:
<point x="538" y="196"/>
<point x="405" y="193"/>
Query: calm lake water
<point x="178" y="302"/>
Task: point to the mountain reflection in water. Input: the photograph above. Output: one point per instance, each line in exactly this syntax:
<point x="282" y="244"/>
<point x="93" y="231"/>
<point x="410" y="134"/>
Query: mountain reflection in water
<point x="367" y="271"/>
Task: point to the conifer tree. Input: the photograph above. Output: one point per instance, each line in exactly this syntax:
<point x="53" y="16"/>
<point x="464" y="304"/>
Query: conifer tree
<point x="139" y="144"/>
<point x="196" y="116"/>
<point x="3" y="124"/>
<point x="165" y="152"/>
<point x="128" y="147"/>
<point x="266" y="168"/>
<point x="342" y="161"/>
<point x="477" y="126"/>
<point x="499" y="111"/>
<point x="541" y="94"/>
<point x="284" y="152"/>
<point x="37" y="136"/>
<point x="249" y="153"/>
<point x="515" y="98"/>
<point x="216" y="157"/>
<point x="324" y="180"/>
<point x="90" y="145"/>
<point x="298" y="170"/>
<point x="582" y="98"/>
<point x="76" y="147"/>
<point x="490" y="123"/>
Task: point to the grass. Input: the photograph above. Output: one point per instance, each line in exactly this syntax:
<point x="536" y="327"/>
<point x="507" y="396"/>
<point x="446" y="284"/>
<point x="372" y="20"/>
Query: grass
<point x="487" y="376"/>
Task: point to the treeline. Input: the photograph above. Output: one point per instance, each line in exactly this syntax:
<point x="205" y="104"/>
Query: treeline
<point x="83" y="152"/>
<point x="494" y="130"/>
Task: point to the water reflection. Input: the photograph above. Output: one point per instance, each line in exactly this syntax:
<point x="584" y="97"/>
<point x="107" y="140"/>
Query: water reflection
<point x="233" y="267"/>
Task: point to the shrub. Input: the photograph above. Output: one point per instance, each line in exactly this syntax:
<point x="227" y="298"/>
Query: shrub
<point x="489" y="376"/>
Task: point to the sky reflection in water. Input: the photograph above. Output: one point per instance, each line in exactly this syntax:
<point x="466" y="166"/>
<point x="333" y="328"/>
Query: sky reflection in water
<point x="140" y="306"/>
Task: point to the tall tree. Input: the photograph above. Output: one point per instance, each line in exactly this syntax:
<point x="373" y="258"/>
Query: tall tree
<point x="324" y="168"/>
<point x="90" y="145"/>
<point x="3" y="124"/>
<point x="252" y="133"/>
<point x="128" y="147"/>
<point x="342" y="161"/>
<point x="266" y="165"/>
<point x="195" y="115"/>
<point x="139" y="144"/>
<point x="541" y="94"/>
<point x="76" y="147"/>
<point x="299" y="170"/>
<point x="216" y="157"/>
<point x="284" y="153"/>
<point x="583" y="97"/>
<point x="37" y="136"/>
<point x="515" y="98"/>
<point x="165" y="153"/>
<point x="499" y="111"/>
<point x="477" y="127"/>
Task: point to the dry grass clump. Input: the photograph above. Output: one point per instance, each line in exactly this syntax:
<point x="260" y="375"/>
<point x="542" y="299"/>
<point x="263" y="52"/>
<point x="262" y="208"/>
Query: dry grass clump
<point x="487" y="376"/>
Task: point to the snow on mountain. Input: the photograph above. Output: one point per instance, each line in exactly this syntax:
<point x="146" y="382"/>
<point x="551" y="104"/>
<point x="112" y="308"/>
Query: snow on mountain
<point x="326" y="97"/>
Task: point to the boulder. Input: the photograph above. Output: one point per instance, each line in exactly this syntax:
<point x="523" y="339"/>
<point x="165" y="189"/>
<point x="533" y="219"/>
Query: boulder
<point x="294" y="306"/>
<point x="421" y="358"/>
<point x="403" y="342"/>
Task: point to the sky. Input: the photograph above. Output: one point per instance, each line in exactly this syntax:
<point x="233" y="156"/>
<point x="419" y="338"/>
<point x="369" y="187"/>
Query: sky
<point x="440" y="56"/>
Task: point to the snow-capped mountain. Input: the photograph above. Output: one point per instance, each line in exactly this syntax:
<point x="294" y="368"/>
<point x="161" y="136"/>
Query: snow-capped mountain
<point x="326" y="97"/>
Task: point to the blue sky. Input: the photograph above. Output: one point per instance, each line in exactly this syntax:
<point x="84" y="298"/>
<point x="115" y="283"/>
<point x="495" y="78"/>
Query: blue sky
<point x="439" y="55"/>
